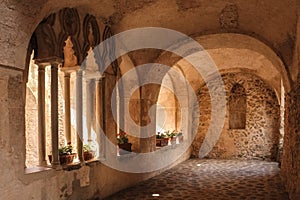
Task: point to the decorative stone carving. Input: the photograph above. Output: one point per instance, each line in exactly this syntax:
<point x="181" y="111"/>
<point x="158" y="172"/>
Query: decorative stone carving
<point x="110" y="49"/>
<point x="229" y="17"/>
<point x="70" y="26"/>
<point x="70" y="60"/>
<point x="46" y="41"/>
<point x="69" y="20"/>
<point x="106" y="34"/>
<point x="91" y="33"/>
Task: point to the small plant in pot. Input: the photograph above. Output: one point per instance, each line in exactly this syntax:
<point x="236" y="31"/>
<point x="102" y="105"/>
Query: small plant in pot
<point x="88" y="152"/>
<point x="123" y="144"/>
<point x="175" y="137"/>
<point x="179" y="137"/>
<point x="66" y="155"/>
<point x="161" y="139"/>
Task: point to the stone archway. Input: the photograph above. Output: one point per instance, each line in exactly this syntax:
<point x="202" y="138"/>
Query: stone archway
<point x="236" y="53"/>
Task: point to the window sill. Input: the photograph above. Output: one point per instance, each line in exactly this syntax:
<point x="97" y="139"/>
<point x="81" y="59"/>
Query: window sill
<point x="37" y="169"/>
<point x="68" y="167"/>
<point x="127" y="155"/>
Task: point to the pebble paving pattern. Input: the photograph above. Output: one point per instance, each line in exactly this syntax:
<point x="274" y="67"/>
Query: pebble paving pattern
<point x="211" y="179"/>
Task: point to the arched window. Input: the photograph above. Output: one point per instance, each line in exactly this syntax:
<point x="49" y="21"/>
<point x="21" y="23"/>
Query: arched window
<point x="237" y="107"/>
<point x="64" y="105"/>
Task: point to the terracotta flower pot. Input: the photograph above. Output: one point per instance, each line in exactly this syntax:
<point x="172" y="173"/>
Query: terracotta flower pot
<point x="64" y="159"/>
<point x="88" y="155"/>
<point x="124" y="148"/>
<point x="172" y="140"/>
<point x="180" y="139"/>
<point x="162" y="142"/>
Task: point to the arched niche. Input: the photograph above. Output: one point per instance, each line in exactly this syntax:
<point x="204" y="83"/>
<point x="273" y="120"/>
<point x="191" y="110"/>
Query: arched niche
<point x="237" y="107"/>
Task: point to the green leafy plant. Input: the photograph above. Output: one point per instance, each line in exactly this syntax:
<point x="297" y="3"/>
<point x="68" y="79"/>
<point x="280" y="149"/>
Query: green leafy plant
<point x="66" y="150"/>
<point x="179" y="133"/>
<point x="161" y="135"/>
<point x="122" y="138"/>
<point x="87" y="148"/>
<point x="172" y="134"/>
<point x="176" y="133"/>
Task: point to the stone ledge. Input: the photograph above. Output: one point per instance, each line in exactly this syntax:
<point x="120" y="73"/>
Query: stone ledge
<point x="36" y="169"/>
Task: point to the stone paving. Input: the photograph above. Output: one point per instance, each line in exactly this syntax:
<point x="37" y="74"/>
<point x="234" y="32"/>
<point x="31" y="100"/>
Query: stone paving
<point x="211" y="179"/>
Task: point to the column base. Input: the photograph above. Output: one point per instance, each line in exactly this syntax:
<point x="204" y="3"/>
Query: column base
<point x="43" y="163"/>
<point x="56" y="166"/>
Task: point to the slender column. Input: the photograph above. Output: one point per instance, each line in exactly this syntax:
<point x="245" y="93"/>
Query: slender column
<point x="79" y="113"/>
<point x="99" y="119"/>
<point x="103" y="115"/>
<point x="103" y="104"/>
<point x="90" y="90"/>
<point x="54" y="114"/>
<point x="41" y="116"/>
<point x="67" y="107"/>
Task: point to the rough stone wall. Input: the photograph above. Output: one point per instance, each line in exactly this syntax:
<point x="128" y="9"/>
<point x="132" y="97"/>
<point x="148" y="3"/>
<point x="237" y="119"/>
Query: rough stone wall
<point x="31" y="117"/>
<point x="260" y="137"/>
<point x="31" y="134"/>
<point x="290" y="169"/>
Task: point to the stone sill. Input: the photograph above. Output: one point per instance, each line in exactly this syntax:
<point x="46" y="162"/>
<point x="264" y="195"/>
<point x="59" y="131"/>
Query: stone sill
<point x="69" y="167"/>
<point x="37" y="169"/>
<point x="163" y="148"/>
<point x="167" y="147"/>
<point x="31" y="174"/>
<point x="127" y="155"/>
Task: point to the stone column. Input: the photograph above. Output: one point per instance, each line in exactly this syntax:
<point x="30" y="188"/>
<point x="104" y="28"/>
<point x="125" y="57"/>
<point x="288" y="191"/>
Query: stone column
<point x="103" y="110"/>
<point x="99" y="118"/>
<point x="148" y="97"/>
<point x="90" y="90"/>
<point x="67" y="107"/>
<point x="67" y="94"/>
<point x="147" y="144"/>
<point x="79" y="113"/>
<point x="54" y="114"/>
<point x="41" y="116"/>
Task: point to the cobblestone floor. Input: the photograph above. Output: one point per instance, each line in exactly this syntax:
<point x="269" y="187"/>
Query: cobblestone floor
<point x="211" y="179"/>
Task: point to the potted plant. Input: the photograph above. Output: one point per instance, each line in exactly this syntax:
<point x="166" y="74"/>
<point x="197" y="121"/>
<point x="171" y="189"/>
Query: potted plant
<point x="161" y="139"/>
<point x="179" y="137"/>
<point x="88" y="152"/>
<point x="169" y="138"/>
<point x="172" y="136"/>
<point x="123" y="144"/>
<point x="66" y="155"/>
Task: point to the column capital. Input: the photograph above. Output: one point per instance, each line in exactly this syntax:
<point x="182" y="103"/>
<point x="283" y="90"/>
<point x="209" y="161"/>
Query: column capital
<point x="94" y="75"/>
<point x="48" y="61"/>
<point x="41" y="67"/>
<point x="67" y="75"/>
<point x="69" y="69"/>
